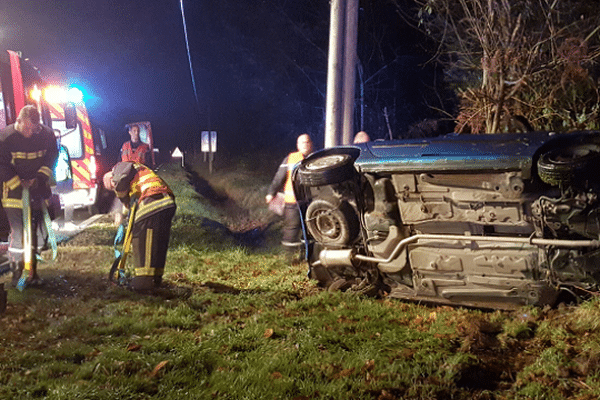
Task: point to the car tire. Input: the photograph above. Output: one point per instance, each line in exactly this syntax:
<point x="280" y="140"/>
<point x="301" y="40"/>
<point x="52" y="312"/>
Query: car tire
<point x="331" y="223"/>
<point x="327" y="170"/>
<point x="561" y="166"/>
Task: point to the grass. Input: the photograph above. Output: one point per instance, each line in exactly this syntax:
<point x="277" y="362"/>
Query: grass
<point x="236" y="322"/>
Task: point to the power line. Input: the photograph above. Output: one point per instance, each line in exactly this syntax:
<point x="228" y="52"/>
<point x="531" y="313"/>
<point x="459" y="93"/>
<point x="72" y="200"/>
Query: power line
<point x="187" y="45"/>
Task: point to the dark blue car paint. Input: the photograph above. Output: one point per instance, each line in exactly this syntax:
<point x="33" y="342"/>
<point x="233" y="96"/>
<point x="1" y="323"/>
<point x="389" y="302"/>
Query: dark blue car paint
<point x="454" y="153"/>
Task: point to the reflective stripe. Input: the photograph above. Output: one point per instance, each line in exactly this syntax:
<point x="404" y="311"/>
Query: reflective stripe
<point x="20" y="155"/>
<point x="148" y="255"/>
<point x="145" y="209"/>
<point x="149" y="271"/>
<point x="146" y="183"/>
<point x="13" y="183"/>
<point x="17" y="78"/>
<point x="45" y="170"/>
<point x="12" y="203"/>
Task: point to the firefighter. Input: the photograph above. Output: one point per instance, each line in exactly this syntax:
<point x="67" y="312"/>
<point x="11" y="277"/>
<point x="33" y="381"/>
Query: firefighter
<point x="135" y="150"/>
<point x="152" y="220"/>
<point x="28" y="152"/>
<point x="283" y="180"/>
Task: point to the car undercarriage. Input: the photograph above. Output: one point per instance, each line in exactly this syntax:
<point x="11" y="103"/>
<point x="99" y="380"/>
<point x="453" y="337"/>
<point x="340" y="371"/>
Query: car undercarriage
<point x="489" y="221"/>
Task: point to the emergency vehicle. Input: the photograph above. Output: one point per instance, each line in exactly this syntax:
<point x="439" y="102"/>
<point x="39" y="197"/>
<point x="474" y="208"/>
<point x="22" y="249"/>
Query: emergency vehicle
<point x="79" y="170"/>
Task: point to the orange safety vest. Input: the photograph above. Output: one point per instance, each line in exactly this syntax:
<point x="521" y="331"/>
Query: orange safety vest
<point x="288" y="189"/>
<point x="146" y="183"/>
<point x="138" y="155"/>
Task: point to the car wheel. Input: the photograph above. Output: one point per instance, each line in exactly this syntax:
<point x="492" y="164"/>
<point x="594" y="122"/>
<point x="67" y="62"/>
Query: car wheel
<point x="562" y="166"/>
<point x="333" y="168"/>
<point x="330" y="223"/>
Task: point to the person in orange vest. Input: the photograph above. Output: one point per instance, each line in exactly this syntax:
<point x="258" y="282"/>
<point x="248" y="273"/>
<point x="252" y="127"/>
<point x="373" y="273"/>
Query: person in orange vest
<point x="135" y="150"/>
<point x="283" y="181"/>
<point x="152" y="220"/>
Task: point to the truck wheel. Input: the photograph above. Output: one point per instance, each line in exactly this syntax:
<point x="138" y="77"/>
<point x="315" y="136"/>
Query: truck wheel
<point x="333" y="168"/>
<point x="562" y="166"/>
<point x="331" y="224"/>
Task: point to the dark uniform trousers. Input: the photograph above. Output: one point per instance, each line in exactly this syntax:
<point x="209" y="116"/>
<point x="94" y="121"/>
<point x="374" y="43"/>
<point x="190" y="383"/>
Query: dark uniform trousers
<point x="291" y="224"/>
<point x="150" y="241"/>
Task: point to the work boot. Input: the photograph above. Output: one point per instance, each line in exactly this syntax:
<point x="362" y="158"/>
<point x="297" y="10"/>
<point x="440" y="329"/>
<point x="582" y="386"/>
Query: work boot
<point x="35" y="280"/>
<point x="17" y="270"/>
<point x="142" y="283"/>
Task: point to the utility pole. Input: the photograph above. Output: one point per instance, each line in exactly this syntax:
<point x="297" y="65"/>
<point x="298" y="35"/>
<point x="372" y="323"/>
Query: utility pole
<point x="349" y="73"/>
<point x="341" y="69"/>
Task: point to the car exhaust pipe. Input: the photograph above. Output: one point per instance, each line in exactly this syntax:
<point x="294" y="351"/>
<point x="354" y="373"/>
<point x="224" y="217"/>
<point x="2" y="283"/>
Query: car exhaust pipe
<point x="345" y="257"/>
<point x="337" y="258"/>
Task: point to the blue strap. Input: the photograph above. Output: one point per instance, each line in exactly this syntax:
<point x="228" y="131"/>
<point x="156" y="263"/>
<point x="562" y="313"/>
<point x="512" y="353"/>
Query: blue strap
<point x="119" y="239"/>
<point x="121" y="230"/>
<point x="49" y="230"/>
<point x="26" y="211"/>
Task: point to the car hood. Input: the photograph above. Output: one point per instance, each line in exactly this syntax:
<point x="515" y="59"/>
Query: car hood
<point x="460" y="153"/>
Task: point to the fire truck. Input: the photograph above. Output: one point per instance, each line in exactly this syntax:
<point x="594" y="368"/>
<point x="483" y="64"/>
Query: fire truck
<point x="78" y="171"/>
<point x="79" y="167"/>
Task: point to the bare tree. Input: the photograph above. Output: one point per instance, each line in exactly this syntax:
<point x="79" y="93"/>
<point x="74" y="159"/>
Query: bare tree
<point x="516" y="63"/>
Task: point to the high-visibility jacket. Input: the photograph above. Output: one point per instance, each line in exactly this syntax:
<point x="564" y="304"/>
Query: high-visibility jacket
<point x="288" y="189"/>
<point x="24" y="158"/>
<point x="134" y="180"/>
<point x="283" y="178"/>
<point x="134" y="154"/>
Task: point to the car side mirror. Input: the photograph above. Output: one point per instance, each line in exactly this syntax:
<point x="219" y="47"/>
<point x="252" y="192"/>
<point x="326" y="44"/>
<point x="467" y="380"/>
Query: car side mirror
<point x="70" y="116"/>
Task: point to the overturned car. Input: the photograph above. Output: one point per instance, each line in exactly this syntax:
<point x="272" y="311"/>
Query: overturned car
<point x="491" y="221"/>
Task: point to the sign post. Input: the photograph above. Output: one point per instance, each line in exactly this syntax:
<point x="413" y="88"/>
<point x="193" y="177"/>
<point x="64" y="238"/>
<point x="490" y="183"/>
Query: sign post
<point x="213" y="149"/>
<point x="205" y="143"/>
<point x="209" y="147"/>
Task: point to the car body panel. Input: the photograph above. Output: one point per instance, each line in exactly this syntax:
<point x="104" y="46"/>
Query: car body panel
<point x="456" y="152"/>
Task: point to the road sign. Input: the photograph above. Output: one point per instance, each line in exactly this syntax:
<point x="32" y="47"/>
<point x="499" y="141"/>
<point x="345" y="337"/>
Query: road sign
<point x="213" y="142"/>
<point x="205" y="141"/>
<point x="178" y="154"/>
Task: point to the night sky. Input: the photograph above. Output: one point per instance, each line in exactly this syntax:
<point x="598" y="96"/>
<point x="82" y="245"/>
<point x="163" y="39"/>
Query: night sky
<point x="259" y="66"/>
<point x="130" y="57"/>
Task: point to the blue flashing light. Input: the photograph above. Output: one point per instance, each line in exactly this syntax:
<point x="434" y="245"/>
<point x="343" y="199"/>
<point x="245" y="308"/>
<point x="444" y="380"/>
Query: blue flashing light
<point x="74" y="95"/>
